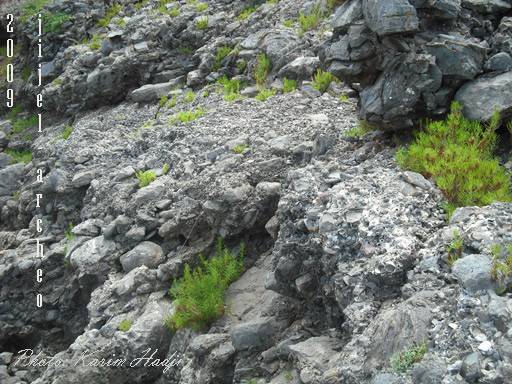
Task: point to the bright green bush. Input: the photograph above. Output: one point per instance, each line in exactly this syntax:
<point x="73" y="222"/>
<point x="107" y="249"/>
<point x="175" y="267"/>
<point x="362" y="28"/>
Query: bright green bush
<point x="112" y="12"/>
<point x="322" y="80"/>
<point x="457" y="154"/>
<point x="231" y="88"/>
<point x="201" y="7"/>
<point x="265" y="94"/>
<point x="289" y="85"/>
<point x="404" y="360"/>
<point x="221" y="54"/>
<point x="68" y="130"/>
<point x="19" y="156"/>
<point x="145" y="178"/>
<point x="240" y="148"/>
<point x="125" y="325"/>
<point x="244" y="15"/>
<point x="52" y="22"/>
<point x="189" y="97"/>
<point x="199" y="295"/>
<point x="187" y="116"/>
<point x="311" y="20"/>
<point x="262" y="69"/>
<point x="20" y="125"/>
<point x="202" y="23"/>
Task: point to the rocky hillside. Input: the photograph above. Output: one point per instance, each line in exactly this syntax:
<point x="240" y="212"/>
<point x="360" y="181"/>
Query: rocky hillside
<point x="171" y="124"/>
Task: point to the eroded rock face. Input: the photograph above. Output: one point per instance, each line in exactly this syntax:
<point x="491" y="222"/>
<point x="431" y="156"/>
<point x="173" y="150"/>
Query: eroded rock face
<point x="411" y="57"/>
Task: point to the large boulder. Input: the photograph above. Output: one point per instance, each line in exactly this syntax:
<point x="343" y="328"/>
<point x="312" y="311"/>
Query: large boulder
<point x="388" y="17"/>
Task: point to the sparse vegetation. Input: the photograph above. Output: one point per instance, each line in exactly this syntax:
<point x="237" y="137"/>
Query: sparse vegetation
<point x="311" y="20"/>
<point x="165" y="169"/>
<point x="125" y="325"/>
<point x="52" y="22"/>
<point x="455" y="247"/>
<point x="202" y="23"/>
<point x="457" y="154"/>
<point x="241" y="65"/>
<point x="145" y="178"/>
<point x="68" y="130"/>
<point x="199" y="294"/>
<point x="19" y="156"/>
<point x="362" y="129"/>
<point x="201" y="7"/>
<point x="265" y="94"/>
<point x="187" y="116"/>
<point x="231" y="88"/>
<point x="94" y="42"/>
<point x="262" y="69"/>
<point x="19" y="125"/>
<point x="501" y="269"/>
<point x="402" y="361"/>
<point x="246" y="13"/>
<point x="220" y="55"/>
<point x="25" y="73"/>
<point x="288" y="23"/>
<point x="289" y="85"/>
<point x="240" y="148"/>
<point x="343" y="98"/>
<point x="189" y="97"/>
<point x="69" y="235"/>
<point x="322" y="80"/>
<point x="112" y="12"/>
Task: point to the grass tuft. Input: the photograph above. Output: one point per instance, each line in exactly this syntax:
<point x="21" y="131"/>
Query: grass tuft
<point x="145" y="178"/>
<point x="262" y="69"/>
<point x="187" y="116"/>
<point x="125" y="325"/>
<point x="19" y="156"/>
<point x="199" y="295"/>
<point x="112" y="12"/>
<point x="322" y="80"/>
<point x="402" y="361"/>
<point x="231" y="88"/>
<point x="457" y="154"/>
<point x="67" y="132"/>
<point x="289" y="85"/>
<point x="265" y="94"/>
<point x="202" y="23"/>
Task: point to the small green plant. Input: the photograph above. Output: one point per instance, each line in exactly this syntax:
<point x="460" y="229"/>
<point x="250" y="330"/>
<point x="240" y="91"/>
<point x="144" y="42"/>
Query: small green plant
<point x="202" y="23"/>
<point x="311" y="20"/>
<point x="174" y="12"/>
<point x="165" y="169"/>
<point x="199" y="294"/>
<point x="172" y="103"/>
<point x="112" y="12"/>
<point x="241" y="65"/>
<point x="288" y="23"/>
<point x="201" y="7"/>
<point x="244" y="15"/>
<point x="189" y="97"/>
<point x="14" y="111"/>
<point x="67" y="132"/>
<point x="52" y="22"/>
<point x="25" y="73"/>
<point x="94" y="43"/>
<point x="187" y="116"/>
<point x="125" y="325"/>
<point x="265" y="94"/>
<point x="69" y="233"/>
<point x="289" y="85"/>
<point x="455" y="248"/>
<point x="19" y="156"/>
<point x="402" y="361"/>
<point x="322" y="80"/>
<point x="220" y="55"/>
<point x="163" y="101"/>
<point x="240" y="148"/>
<point x="185" y="50"/>
<point x="231" y="88"/>
<point x="145" y="178"/>
<point x="19" y="125"/>
<point x="262" y="69"/>
<point x="362" y="129"/>
<point x="344" y="98"/>
<point x="457" y="154"/>
<point x="501" y="270"/>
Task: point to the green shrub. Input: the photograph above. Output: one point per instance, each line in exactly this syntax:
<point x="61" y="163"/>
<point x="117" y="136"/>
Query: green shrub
<point x="289" y="85"/>
<point x="455" y="248"/>
<point x="165" y="169"/>
<point x="125" y="325"/>
<point x="244" y="15"/>
<point x="231" y="88"/>
<point x="322" y="80"/>
<point x="67" y="132"/>
<point x="69" y="232"/>
<point x="265" y="94"/>
<point x="199" y="294"/>
<point x="201" y="7"/>
<point x="202" y="23"/>
<point x="220" y="55"/>
<point x="163" y="101"/>
<point x="174" y="12"/>
<point x="14" y="111"/>
<point x="25" y="73"/>
<point x="172" y="103"/>
<point x="241" y="65"/>
<point x="187" y="116"/>
<point x="112" y="12"/>
<point x="404" y="360"/>
<point x="19" y="156"/>
<point x="31" y="8"/>
<point x="189" y="97"/>
<point x="263" y="67"/>
<point x="19" y="125"/>
<point x="457" y="154"/>
<point x="288" y="23"/>
<point x="145" y="178"/>
<point x="501" y="270"/>
<point x="343" y="98"/>
<point x="240" y="148"/>
<point x="94" y="43"/>
<point x="52" y="22"/>
<point x="311" y="20"/>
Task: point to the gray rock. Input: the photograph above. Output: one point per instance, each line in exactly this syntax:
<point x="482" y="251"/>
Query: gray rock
<point x="500" y="62"/>
<point x="146" y="253"/>
<point x="92" y="252"/>
<point x="487" y="6"/>
<point x="470" y="369"/>
<point x="9" y="178"/>
<point x="386" y="378"/>
<point x="301" y="68"/>
<point x="430" y="370"/>
<point x="151" y="92"/>
<point x="83" y="179"/>
<point x="255" y="335"/>
<point x="388" y="17"/>
<point x="474" y="272"/>
<point x="347" y="14"/>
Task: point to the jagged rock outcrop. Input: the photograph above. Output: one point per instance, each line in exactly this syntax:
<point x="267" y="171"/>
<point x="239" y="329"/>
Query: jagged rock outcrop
<point x="411" y="57"/>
